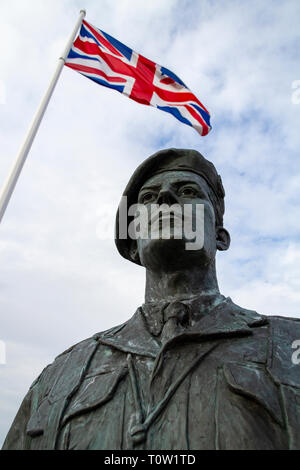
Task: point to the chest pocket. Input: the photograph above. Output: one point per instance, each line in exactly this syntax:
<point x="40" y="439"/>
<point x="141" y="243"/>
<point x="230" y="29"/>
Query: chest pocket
<point x="95" y="390"/>
<point x="254" y="383"/>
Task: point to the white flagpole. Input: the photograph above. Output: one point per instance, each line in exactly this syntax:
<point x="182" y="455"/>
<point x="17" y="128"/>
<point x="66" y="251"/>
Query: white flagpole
<point x="12" y="178"/>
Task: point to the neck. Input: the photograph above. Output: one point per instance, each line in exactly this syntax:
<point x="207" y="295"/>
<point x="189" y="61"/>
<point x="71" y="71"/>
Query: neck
<point x="185" y="284"/>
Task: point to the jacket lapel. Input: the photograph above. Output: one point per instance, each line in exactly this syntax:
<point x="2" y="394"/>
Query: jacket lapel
<point x="132" y="337"/>
<point x="227" y="319"/>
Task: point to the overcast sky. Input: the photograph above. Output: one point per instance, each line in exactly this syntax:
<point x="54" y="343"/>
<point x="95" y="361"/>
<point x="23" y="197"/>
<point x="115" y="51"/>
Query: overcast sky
<point x="61" y="278"/>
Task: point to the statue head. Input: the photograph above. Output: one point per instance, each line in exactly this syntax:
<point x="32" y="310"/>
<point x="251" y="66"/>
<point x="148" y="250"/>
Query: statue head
<point x="183" y="179"/>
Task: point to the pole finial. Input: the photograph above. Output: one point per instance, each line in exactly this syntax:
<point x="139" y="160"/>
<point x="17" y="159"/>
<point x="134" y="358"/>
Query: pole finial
<point x="83" y="11"/>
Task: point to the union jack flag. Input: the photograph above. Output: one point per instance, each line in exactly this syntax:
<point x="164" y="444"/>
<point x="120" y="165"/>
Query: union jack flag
<point x="105" y="60"/>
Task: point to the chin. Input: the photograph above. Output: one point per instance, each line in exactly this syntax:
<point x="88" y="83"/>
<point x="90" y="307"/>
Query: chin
<point x="170" y="255"/>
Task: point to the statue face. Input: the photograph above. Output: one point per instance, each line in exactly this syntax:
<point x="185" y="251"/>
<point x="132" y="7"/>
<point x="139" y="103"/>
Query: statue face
<point x="182" y="188"/>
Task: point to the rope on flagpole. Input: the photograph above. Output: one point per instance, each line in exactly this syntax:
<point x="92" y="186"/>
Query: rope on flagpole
<point x="16" y="169"/>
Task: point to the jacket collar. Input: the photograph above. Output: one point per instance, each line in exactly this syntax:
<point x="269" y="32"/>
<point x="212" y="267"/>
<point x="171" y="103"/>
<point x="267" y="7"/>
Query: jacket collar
<point x="224" y="320"/>
<point x="197" y="307"/>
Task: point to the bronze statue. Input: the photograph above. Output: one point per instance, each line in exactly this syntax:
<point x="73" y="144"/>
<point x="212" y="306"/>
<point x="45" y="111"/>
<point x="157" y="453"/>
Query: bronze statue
<point x="190" y="369"/>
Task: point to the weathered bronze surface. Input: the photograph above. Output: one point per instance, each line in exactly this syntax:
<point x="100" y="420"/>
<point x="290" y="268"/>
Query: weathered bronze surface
<point x="190" y="369"/>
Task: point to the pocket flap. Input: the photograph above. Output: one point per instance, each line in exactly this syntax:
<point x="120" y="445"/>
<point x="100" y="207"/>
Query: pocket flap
<point x="94" y="391"/>
<point x="253" y="382"/>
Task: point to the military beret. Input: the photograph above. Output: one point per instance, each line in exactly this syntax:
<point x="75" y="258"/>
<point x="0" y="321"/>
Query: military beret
<point x="171" y="160"/>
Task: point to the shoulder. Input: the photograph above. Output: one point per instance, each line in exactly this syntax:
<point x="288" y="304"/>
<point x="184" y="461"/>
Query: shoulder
<point x="250" y="317"/>
<point x="85" y="345"/>
<point x="58" y="367"/>
<point x="77" y="356"/>
<point x="285" y="321"/>
<point x="287" y="324"/>
<point x="284" y="330"/>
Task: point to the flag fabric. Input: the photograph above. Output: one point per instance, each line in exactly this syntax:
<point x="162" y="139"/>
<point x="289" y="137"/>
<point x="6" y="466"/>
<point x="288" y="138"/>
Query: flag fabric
<point x="105" y="60"/>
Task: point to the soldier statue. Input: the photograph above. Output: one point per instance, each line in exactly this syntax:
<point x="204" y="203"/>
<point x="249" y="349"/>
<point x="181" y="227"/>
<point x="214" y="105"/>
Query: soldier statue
<point x="190" y="369"/>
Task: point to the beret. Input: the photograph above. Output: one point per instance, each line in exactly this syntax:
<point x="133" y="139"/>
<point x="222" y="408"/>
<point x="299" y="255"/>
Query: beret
<point x="171" y="160"/>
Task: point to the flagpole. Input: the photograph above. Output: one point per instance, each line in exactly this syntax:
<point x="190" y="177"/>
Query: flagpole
<point x="12" y="178"/>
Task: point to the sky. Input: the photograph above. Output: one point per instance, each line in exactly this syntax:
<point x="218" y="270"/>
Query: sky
<point x="61" y="277"/>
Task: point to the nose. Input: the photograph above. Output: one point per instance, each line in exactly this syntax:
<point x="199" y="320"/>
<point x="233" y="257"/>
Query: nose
<point x="166" y="196"/>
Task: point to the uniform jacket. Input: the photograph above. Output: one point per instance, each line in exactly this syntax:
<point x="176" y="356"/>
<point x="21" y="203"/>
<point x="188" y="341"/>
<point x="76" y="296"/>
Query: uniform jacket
<point x="228" y="382"/>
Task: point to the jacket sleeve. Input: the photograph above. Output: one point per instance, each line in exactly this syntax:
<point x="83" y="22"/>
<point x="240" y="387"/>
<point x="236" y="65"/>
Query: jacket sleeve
<point x="17" y="438"/>
<point x="42" y="408"/>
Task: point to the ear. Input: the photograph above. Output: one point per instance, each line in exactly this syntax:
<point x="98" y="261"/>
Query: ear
<point x="222" y="239"/>
<point x="133" y="251"/>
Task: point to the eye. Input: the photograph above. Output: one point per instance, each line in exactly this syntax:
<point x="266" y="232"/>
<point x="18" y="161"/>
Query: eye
<point x="147" y="197"/>
<point x="187" y="191"/>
